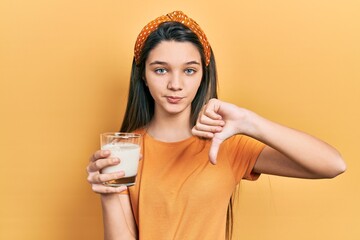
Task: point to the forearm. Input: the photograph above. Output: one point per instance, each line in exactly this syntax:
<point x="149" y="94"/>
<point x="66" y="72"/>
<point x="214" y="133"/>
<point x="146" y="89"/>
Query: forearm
<point x="118" y="219"/>
<point x="288" y="152"/>
<point x="310" y="153"/>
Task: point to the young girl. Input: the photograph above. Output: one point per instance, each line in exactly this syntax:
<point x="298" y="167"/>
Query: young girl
<point x="196" y="148"/>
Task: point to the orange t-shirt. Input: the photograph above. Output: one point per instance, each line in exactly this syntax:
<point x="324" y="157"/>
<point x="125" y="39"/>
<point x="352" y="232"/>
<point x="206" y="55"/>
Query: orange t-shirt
<point x="180" y="195"/>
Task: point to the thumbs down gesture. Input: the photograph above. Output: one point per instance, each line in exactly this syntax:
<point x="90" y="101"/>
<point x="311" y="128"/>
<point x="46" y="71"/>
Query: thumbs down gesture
<point x="218" y="121"/>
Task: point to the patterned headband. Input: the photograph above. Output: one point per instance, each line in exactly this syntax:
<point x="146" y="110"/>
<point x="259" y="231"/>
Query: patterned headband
<point x="176" y="16"/>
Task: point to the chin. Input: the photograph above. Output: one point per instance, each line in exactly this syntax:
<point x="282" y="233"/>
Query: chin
<point x="176" y="109"/>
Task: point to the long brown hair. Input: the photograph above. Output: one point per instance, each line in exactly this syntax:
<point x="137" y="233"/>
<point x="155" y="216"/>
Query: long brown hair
<point x="140" y="104"/>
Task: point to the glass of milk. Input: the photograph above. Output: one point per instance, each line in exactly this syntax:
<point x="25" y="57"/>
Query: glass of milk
<point x="126" y="147"/>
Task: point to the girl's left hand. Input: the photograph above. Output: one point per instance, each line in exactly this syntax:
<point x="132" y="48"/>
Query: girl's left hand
<point x="220" y="120"/>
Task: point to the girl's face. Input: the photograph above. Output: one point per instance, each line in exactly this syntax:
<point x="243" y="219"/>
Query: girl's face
<point x="173" y="73"/>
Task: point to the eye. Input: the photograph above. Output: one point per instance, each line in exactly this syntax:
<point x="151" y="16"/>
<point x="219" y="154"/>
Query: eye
<point x="160" y="71"/>
<point x="190" y="71"/>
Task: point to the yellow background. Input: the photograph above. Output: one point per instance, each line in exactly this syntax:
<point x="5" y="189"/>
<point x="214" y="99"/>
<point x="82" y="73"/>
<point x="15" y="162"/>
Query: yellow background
<point x="64" y="71"/>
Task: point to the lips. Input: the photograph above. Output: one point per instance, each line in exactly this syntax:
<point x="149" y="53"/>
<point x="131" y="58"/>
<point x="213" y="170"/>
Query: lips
<point x="173" y="99"/>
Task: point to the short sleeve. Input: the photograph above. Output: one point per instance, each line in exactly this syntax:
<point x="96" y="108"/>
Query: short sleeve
<point x="242" y="152"/>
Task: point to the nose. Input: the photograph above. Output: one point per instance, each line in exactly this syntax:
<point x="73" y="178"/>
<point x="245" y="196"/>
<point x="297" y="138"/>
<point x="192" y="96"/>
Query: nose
<point x="175" y="82"/>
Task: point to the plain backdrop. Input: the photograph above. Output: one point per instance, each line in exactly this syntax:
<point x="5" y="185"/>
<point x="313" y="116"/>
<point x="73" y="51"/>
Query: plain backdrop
<point x="64" y="73"/>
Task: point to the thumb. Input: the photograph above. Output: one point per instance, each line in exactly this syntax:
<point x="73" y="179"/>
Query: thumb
<point x="214" y="149"/>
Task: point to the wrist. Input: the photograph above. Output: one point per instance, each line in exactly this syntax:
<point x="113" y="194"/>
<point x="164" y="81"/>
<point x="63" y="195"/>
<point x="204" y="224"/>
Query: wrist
<point x="109" y="197"/>
<point x="249" y="124"/>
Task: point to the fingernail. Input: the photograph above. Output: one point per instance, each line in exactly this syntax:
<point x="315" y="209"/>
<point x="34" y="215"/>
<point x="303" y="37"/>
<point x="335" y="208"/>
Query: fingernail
<point x="106" y="152"/>
<point x="115" y="160"/>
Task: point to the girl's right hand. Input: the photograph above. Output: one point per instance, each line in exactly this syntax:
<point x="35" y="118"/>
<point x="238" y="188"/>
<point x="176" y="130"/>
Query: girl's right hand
<point x="98" y="161"/>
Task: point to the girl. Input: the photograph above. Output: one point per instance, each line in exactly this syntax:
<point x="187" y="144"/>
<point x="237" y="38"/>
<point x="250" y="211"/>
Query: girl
<point x="196" y="148"/>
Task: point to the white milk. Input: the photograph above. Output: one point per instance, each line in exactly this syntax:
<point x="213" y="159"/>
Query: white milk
<point x="128" y="153"/>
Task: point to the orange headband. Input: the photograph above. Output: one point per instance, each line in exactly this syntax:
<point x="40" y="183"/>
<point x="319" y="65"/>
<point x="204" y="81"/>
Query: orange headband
<point x="176" y="16"/>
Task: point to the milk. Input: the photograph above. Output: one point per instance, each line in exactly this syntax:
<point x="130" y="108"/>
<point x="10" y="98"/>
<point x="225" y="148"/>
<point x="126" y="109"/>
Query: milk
<point x="128" y="153"/>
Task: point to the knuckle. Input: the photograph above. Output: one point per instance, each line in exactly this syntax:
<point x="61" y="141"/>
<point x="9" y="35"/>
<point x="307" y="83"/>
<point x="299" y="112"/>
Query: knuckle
<point x="104" y="153"/>
<point x="96" y="155"/>
<point x="193" y="130"/>
<point x="101" y="178"/>
<point x="89" y="179"/>
<point x="89" y="168"/>
<point x="212" y="100"/>
<point x="97" y="164"/>
<point x="208" y="111"/>
<point x="93" y="157"/>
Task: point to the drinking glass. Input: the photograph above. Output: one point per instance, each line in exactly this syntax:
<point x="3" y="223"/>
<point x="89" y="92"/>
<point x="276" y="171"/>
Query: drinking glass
<point x="126" y="147"/>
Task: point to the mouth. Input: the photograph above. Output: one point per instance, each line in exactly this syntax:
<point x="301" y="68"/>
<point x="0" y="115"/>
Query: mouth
<point x="173" y="99"/>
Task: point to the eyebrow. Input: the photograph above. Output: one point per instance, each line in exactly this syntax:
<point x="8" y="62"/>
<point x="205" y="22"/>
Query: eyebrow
<point x="165" y="63"/>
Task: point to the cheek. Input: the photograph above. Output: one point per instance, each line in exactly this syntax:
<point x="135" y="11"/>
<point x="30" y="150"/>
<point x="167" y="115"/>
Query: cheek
<point x="150" y="81"/>
<point x="195" y="87"/>
<point x="154" y="88"/>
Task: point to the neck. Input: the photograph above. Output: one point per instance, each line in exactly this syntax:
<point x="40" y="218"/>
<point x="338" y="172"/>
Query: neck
<point x="170" y="128"/>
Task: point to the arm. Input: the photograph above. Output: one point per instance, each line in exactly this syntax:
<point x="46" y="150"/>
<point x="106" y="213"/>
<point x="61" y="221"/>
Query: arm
<point x="118" y="219"/>
<point x="288" y="152"/>
<point x="293" y="153"/>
